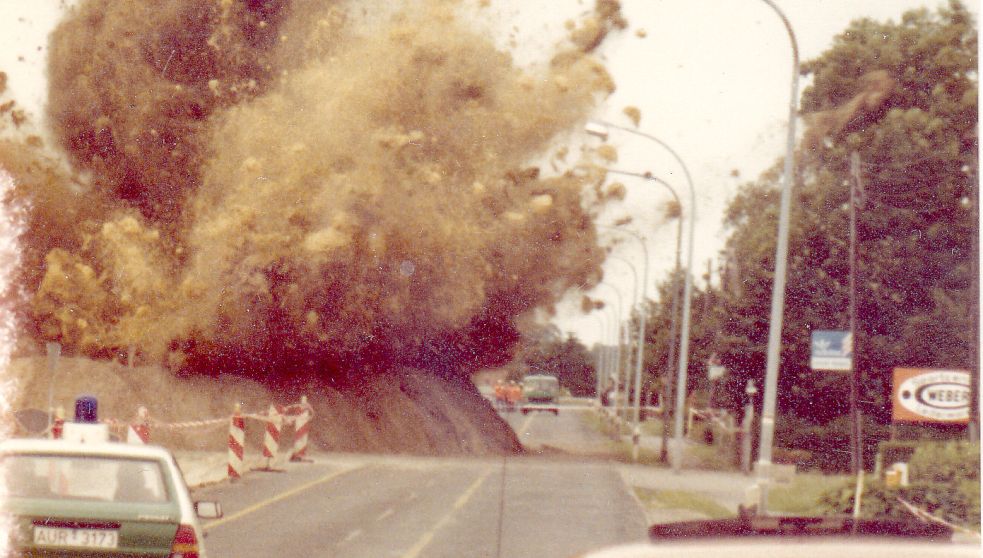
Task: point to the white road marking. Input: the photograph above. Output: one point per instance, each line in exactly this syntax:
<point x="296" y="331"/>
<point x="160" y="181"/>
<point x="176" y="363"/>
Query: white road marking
<point x="425" y="539"/>
<point x="385" y="514"/>
<point x="524" y="429"/>
<point x="352" y="536"/>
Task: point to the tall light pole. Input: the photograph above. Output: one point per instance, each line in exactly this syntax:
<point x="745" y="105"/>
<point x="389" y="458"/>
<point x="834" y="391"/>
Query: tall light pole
<point x="618" y="365"/>
<point x="635" y="305"/>
<point x="640" y="355"/>
<point x="778" y="285"/>
<point x="600" y="129"/>
<point x="599" y="365"/>
<point x="674" y="312"/>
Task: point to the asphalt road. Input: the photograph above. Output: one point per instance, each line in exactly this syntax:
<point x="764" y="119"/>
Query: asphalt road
<point x="407" y="507"/>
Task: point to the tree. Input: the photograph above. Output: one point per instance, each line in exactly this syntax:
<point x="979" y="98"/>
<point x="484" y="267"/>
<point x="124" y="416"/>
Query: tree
<point x="903" y="96"/>
<point x="567" y="359"/>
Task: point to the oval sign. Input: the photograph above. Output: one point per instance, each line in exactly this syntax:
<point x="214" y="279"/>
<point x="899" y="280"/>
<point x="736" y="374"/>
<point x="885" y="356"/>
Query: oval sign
<point x="937" y="395"/>
<point x="943" y="395"/>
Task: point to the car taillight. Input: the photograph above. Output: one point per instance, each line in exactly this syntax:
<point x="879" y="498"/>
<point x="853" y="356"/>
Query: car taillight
<point x="185" y="543"/>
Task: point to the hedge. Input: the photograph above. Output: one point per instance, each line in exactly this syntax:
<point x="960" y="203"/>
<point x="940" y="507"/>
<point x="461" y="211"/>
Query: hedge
<point x="945" y="481"/>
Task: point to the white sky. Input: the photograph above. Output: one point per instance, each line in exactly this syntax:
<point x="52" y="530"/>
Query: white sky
<point x="711" y="78"/>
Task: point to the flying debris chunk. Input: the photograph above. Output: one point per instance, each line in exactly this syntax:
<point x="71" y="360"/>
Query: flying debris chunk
<point x="541" y="203"/>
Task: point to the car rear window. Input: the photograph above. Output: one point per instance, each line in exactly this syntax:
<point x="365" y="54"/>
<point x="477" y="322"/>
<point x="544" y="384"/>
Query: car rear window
<point x="540" y="384"/>
<point x="74" y="477"/>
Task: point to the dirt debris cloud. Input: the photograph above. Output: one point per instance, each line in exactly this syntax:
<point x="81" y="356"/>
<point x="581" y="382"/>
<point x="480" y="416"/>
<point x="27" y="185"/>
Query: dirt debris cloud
<point x="280" y="186"/>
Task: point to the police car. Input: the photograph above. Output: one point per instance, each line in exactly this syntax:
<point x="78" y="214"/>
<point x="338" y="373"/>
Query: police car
<point x="86" y="496"/>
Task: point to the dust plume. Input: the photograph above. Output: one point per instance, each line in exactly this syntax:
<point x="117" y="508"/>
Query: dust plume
<point x="875" y="88"/>
<point x="287" y="185"/>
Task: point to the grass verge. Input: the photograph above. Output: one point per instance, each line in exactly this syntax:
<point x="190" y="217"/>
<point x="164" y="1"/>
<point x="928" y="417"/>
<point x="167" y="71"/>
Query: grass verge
<point x="601" y="424"/>
<point x="681" y="500"/>
<point x="801" y="496"/>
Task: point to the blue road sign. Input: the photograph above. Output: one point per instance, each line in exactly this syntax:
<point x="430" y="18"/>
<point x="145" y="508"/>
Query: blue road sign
<point x="832" y="350"/>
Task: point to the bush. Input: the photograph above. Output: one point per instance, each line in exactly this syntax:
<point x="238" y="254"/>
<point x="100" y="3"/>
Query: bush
<point x="945" y="481"/>
<point x="949" y="462"/>
<point x="829" y="444"/>
<point x="957" y="503"/>
<point x="896" y="452"/>
<point x="788" y="456"/>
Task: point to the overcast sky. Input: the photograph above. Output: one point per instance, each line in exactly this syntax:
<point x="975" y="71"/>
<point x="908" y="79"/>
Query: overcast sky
<point x="711" y="78"/>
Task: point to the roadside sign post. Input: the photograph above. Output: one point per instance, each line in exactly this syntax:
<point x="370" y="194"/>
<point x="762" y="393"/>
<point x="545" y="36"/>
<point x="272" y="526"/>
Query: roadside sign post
<point x="54" y="351"/>
<point x="746" y="427"/>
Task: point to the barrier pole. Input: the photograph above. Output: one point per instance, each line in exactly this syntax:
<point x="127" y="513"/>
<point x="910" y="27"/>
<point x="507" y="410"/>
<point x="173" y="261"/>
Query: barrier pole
<point x="138" y="432"/>
<point x="58" y="425"/>
<point x="237" y="443"/>
<point x="302" y="427"/>
<point x="271" y="440"/>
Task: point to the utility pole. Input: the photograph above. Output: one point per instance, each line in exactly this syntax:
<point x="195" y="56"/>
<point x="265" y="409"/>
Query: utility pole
<point x="667" y="398"/>
<point x="973" y="428"/>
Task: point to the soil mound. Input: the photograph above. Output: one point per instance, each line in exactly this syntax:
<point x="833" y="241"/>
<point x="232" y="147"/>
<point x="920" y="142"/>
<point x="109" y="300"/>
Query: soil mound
<point x="405" y="411"/>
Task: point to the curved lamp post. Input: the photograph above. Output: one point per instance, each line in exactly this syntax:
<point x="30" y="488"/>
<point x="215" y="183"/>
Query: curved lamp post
<point x="778" y="286"/>
<point x="674" y="321"/>
<point x="599" y="366"/>
<point x="640" y="355"/>
<point x="600" y="129"/>
<point x="635" y="305"/>
<point x="621" y="331"/>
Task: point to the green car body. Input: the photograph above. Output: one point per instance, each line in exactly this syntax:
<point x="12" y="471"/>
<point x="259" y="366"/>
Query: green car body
<point x="540" y="393"/>
<point x="96" y="500"/>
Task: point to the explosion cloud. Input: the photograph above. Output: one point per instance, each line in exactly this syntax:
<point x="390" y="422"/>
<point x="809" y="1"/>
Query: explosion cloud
<point x="283" y="184"/>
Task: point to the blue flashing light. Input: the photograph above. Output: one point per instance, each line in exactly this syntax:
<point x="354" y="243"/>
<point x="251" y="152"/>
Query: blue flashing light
<point x="86" y="409"/>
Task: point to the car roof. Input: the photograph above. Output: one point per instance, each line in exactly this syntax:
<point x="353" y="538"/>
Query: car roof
<point x="107" y="449"/>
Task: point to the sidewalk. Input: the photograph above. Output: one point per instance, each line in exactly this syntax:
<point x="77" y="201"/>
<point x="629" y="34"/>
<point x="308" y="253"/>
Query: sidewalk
<point x="696" y="487"/>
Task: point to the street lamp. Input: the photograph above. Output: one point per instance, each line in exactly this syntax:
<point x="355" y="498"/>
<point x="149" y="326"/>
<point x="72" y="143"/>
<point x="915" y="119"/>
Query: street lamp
<point x="601" y="362"/>
<point x="617" y="355"/>
<point x="600" y="129"/>
<point x="640" y="355"/>
<point x="641" y="333"/>
<point x="778" y="285"/>
<point x="674" y="313"/>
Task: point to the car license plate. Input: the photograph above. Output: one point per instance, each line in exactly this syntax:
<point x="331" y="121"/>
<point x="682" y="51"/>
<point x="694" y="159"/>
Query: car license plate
<point x="81" y="538"/>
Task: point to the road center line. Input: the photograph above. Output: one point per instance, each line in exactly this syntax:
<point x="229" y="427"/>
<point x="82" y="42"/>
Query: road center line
<point x="425" y="539"/>
<point x="385" y="514"/>
<point x="525" y="425"/>
<point x="282" y="496"/>
<point x="351" y="536"/>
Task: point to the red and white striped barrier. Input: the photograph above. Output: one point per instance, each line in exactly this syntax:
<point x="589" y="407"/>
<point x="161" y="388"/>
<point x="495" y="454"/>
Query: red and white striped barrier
<point x="302" y="426"/>
<point x="271" y="441"/>
<point x="138" y="432"/>
<point x="237" y="443"/>
<point x="191" y="423"/>
<point x="300" y="415"/>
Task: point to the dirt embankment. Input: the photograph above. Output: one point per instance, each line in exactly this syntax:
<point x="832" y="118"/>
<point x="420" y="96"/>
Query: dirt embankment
<point x="406" y="412"/>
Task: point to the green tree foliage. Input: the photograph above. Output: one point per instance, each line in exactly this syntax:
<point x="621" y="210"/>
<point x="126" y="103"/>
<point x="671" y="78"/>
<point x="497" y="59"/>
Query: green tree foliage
<point x="567" y="359"/>
<point x="704" y="329"/>
<point x="903" y="96"/>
